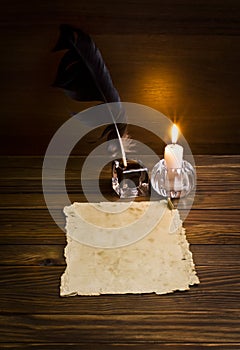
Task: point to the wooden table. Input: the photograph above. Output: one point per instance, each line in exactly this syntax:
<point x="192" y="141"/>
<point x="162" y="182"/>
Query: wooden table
<point x="33" y="316"/>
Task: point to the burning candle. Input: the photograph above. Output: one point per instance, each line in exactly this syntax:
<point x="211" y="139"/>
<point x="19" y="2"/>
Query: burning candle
<point x="173" y="177"/>
<point x="173" y="153"/>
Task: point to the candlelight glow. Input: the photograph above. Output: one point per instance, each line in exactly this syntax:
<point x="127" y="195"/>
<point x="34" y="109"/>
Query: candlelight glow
<point x="174" y="133"/>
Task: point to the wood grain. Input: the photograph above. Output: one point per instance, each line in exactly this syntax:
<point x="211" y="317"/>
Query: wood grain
<point x="35" y="289"/>
<point x="30" y="328"/>
<point x="30" y="167"/>
<point x="32" y="262"/>
<point x="224" y="182"/>
<point x="129" y="16"/>
<point x="120" y="346"/>
<point x="205" y="178"/>
<point x="179" y="57"/>
<point x="53" y="255"/>
<point x="34" y="226"/>
<point x="192" y="79"/>
<point x="227" y="199"/>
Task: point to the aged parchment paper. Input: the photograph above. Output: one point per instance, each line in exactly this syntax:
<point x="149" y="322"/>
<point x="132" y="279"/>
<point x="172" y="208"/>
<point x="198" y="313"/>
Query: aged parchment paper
<point x="159" y="262"/>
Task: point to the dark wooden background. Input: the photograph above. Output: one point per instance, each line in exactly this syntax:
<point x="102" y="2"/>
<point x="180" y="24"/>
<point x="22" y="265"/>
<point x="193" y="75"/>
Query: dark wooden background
<point x="180" y="57"/>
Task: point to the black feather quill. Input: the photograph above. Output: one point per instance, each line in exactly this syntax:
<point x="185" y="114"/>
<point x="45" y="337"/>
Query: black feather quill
<point x="83" y="74"/>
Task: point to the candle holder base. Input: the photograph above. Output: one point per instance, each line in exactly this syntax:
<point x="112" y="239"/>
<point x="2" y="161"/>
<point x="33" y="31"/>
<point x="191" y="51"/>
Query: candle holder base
<point x="173" y="183"/>
<point x="130" y="181"/>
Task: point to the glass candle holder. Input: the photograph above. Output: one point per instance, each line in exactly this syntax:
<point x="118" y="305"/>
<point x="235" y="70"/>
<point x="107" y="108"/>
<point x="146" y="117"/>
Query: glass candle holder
<point x="131" y="180"/>
<point x="173" y="183"/>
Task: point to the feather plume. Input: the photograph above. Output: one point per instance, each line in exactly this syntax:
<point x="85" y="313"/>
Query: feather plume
<point x="83" y="74"/>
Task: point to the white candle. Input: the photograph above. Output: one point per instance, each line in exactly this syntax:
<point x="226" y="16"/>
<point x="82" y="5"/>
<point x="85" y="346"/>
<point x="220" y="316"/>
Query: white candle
<point x="173" y="153"/>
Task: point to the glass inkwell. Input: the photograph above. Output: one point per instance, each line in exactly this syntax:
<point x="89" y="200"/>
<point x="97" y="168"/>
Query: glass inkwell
<point x="131" y="179"/>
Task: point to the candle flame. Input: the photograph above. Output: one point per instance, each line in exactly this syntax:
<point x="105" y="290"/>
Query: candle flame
<point x="174" y="133"/>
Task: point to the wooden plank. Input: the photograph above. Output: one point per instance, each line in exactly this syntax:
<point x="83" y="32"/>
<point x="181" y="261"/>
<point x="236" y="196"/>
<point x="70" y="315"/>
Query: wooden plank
<point x="218" y="161"/>
<point x="32" y="255"/>
<point x="36" y="290"/>
<point x="74" y="185"/>
<point x="172" y="70"/>
<point x="216" y="17"/>
<point x="120" y="346"/>
<point x="25" y="176"/>
<point x="31" y="226"/>
<point x="206" y="178"/>
<point x="30" y="168"/>
<point x="227" y="199"/>
<point x="37" y="227"/>
<point x="53" y="255"/>
<point x="214" y="325"/>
